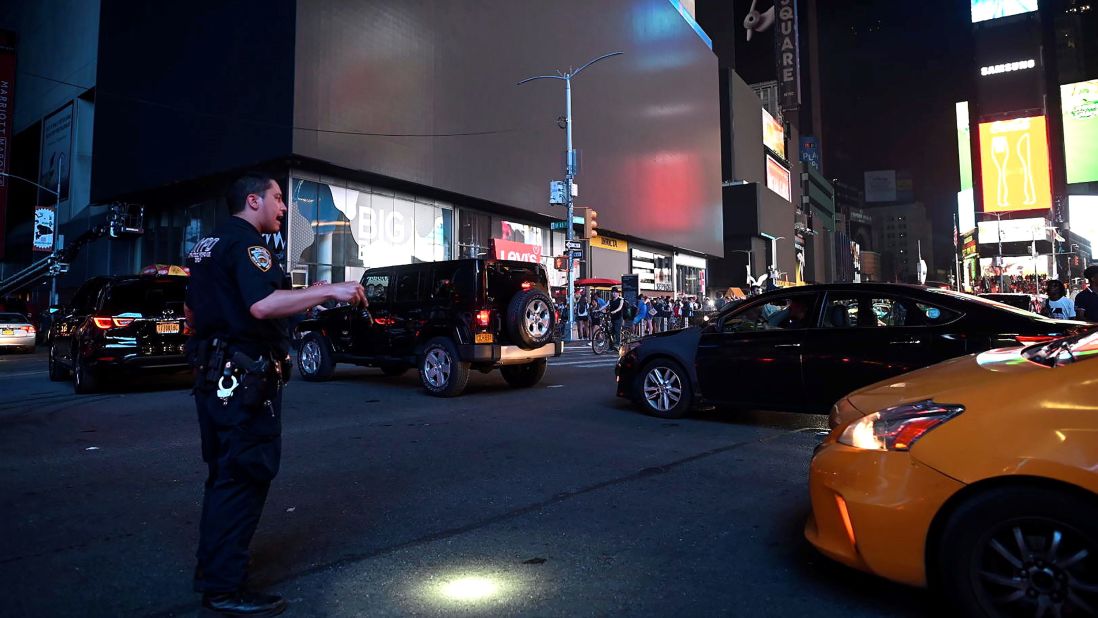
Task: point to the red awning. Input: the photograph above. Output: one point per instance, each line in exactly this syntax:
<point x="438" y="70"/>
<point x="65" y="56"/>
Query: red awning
<point x="597" y="281"/>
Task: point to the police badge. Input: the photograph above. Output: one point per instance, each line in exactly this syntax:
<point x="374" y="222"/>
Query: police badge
<point x="261" y="257"/>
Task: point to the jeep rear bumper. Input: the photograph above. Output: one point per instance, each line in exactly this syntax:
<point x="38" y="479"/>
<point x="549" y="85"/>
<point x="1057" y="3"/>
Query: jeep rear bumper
<point x="499" y="355"/>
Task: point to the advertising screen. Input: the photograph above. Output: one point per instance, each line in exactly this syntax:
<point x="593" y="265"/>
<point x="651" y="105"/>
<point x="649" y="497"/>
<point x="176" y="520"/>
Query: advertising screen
<point x="880" y="186"/>
<point x="983" y="10"/>
<point x="1013" y="230"/>
<point x="773" y="134"/>
<point x="1080" y="104"/>
<point x="777" y="178"/>
<point x="1083" y="214"/>
<point x="964" y="146"/>
<point x="1015" y="167"/>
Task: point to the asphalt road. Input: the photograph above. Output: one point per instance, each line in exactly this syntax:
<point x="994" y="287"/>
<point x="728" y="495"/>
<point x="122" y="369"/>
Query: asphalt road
<point x="562" y="499"/>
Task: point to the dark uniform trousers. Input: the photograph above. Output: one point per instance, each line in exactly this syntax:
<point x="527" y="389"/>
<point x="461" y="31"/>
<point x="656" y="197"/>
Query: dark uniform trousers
<point x="242" y="445"/>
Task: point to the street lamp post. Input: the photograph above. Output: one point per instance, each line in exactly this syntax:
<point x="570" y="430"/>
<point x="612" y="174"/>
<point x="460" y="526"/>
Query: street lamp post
<point x="999" y="231"/>
<point x="750" y="271"/>
<point x="773" y="255"/>
<point x="569" y="175"/>
<point x="56" y="216"/>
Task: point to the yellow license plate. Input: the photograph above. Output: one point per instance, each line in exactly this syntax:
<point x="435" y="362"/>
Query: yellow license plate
<point x="167" y="328"/>
<point x="484" y="338"/>
<point x="8" y="331"/>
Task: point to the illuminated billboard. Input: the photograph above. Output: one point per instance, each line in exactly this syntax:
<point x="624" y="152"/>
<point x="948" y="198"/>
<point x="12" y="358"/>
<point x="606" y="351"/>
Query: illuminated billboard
<point x="1013" y="230"/>
<point x="1014" y="165"/>
<point x="1080" y="104"/>
<point x="777" y="178"/>
<point x="773" y="134"/>
<point x="983" y="10"/>
<point x="964" y="146"/>
<point x="1083" y="214"/>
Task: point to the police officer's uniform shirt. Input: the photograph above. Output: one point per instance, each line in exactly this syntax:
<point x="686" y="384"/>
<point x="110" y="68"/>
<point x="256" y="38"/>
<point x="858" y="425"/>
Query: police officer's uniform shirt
<point x="232" y="270"/>
<point x="1087" y="300"/>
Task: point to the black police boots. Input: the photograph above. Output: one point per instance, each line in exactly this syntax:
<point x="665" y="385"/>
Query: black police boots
<point x="243" y="603"/>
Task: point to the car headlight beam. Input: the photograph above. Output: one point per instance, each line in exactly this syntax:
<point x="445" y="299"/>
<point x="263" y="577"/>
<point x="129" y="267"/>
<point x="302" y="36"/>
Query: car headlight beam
<point x="899" y="427"/>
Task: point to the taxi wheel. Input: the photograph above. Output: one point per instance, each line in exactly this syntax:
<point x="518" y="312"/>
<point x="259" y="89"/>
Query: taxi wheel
<point x="524" y="376"/>
<point x="56" y="371"/>
<point x="84" y="380"/>
<point x="1021" y="551"/>
<point x="663" y="389"/>
<point x="314" y="358"/>
<point x="441" y="370"/>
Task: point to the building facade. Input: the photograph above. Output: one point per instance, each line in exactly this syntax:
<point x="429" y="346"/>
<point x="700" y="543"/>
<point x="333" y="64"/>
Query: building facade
<point x="398" y="133"/>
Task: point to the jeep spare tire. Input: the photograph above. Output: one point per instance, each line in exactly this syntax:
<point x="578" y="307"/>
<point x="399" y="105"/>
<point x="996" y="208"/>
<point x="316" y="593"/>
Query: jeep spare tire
<point x="530" y="319"/>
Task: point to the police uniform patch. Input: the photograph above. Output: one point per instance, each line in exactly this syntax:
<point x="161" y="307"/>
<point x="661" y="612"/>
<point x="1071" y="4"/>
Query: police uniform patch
<point x="261" y="257"/>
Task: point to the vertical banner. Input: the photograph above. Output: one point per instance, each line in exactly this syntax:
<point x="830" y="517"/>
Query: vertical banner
<point x="788" y="54"/>
<point x="7" y="122"/>
<point x="45" y="226"/>
<point x="630" y="288"/>
<point x="56" y="159"/>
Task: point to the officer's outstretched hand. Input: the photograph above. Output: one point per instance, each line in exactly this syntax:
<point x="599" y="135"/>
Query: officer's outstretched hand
<point x="348" y="292"/>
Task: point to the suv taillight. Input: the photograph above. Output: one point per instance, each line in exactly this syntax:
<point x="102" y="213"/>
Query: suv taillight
<point x="105" y="323"/>
<point x="483" y="317"/>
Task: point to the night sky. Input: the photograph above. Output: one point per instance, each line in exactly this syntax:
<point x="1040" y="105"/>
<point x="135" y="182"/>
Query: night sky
<point x="891" y="72"/>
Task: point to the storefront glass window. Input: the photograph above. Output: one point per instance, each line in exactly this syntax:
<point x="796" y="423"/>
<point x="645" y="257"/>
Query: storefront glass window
<point x="475" y="234"/>
<point x="339" y="231"/>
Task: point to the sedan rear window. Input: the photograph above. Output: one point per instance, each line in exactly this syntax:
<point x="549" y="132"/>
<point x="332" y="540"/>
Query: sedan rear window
<point x="13" y="318"/>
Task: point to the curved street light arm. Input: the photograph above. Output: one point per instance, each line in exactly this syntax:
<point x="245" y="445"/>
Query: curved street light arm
<point x="602" y="57"/>
<point x="530" y="79"/>
<point x="46" y="189"/>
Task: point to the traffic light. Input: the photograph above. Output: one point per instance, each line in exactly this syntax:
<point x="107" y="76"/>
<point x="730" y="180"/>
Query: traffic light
<point x="559" y="263"/>
<point x="590" y="223"/>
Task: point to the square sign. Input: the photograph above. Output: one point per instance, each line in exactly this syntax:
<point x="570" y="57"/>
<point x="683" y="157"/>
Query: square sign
<point x="557" y="192"/>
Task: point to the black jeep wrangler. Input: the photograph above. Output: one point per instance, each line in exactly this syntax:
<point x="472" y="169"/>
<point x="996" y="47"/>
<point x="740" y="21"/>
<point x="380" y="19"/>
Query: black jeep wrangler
<point x="445" y="318"/>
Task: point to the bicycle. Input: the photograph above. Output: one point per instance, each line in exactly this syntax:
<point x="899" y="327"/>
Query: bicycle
<point x="600" y="335"/>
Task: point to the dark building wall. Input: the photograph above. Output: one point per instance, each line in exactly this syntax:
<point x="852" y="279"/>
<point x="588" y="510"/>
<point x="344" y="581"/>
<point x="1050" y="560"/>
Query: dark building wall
<point x="185" y="90"/>
<point x="414" y="74"/>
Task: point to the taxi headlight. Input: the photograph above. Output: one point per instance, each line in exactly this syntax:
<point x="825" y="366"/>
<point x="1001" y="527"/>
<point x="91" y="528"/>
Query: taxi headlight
<point x="899" y="427"/>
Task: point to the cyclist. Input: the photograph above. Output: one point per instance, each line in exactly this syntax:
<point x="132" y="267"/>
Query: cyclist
<point x="614" y="309"/>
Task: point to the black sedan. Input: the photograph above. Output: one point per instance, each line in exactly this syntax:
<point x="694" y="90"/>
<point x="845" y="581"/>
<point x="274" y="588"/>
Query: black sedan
<point x="804" y="348"/>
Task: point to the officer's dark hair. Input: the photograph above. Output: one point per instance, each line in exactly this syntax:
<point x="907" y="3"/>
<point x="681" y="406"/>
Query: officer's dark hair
<point x="252" y="182"/>
<point x="1091" y="272"/>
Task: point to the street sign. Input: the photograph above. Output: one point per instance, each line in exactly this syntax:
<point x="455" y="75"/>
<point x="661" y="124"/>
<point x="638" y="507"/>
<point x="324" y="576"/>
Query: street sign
<point x="573" y="244"/>
<point x="561" y="225"/>
<point x="576" y="254"/>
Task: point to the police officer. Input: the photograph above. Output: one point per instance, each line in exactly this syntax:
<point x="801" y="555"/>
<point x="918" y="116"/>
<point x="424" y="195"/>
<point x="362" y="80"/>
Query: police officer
<point x="237" y="304"/>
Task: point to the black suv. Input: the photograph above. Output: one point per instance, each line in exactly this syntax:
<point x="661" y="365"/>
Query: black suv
<point x="444" y="318"/>
<point x="116" y="324"/>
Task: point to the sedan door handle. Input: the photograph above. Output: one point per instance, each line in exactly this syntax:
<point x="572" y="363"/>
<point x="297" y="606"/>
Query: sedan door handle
<point x="787" y="345"/>
<point x="906" y="342"/>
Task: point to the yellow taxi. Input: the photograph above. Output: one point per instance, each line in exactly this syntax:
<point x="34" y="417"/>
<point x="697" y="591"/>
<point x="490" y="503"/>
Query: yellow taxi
<point x="977" y="476"/>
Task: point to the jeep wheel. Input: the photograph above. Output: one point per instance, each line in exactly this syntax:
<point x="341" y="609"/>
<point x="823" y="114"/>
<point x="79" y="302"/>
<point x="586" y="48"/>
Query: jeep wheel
<point x="394" y="371"/>
<point x="314" y="360"/>
<point x="523" y="376"/>
<point x="441" y="370"/>
<point x="530" y="319"/>
<point x="56" y="371"/>
<point x="84" y="380"/>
